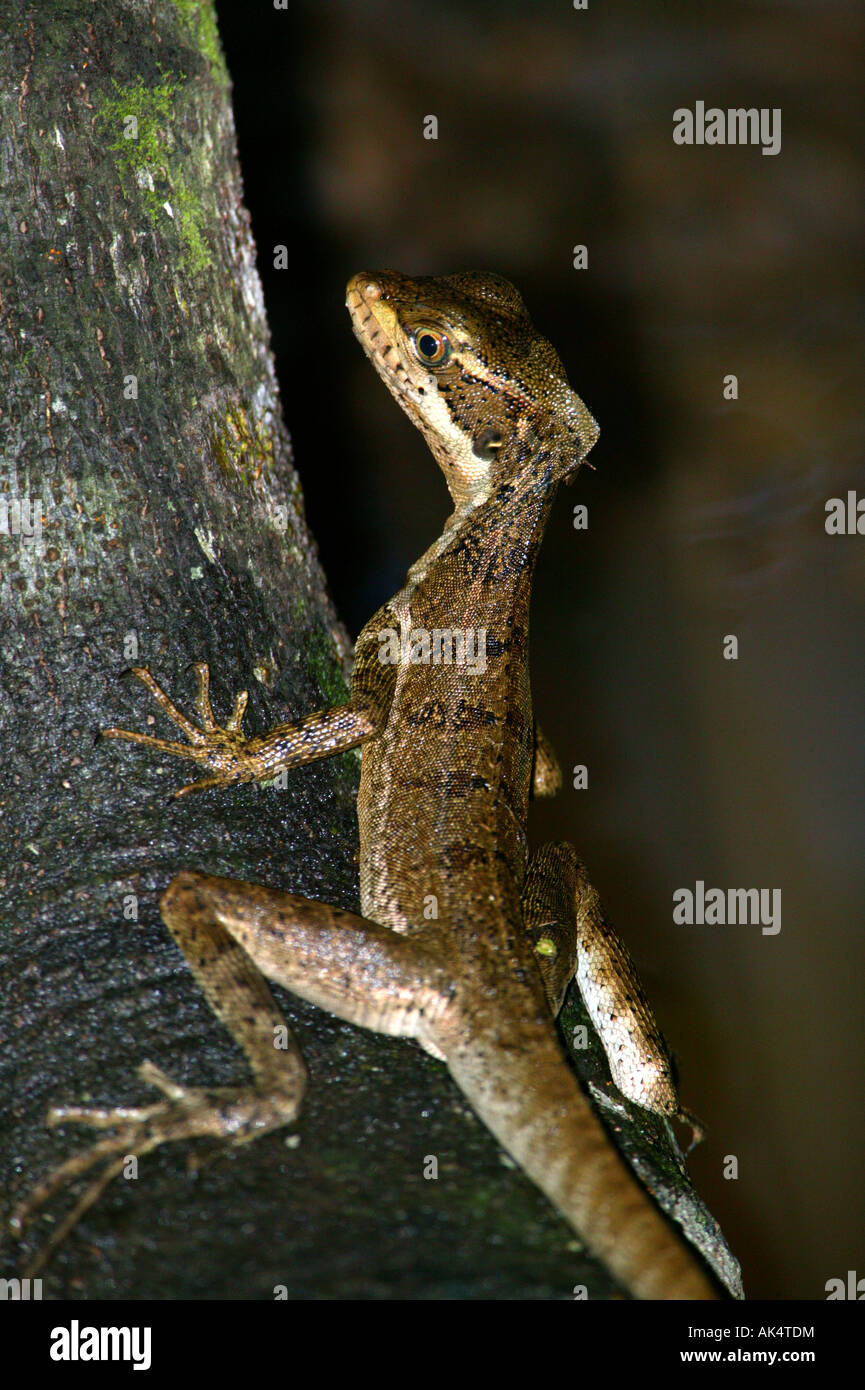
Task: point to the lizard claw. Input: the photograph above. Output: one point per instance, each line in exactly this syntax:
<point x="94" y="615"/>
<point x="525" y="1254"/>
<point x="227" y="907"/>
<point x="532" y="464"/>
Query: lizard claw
<point x="232" y="1113"/>
<point x="222" y="750"/>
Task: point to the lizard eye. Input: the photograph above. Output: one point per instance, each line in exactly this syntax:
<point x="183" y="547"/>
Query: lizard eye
<point x="431" y="346"/>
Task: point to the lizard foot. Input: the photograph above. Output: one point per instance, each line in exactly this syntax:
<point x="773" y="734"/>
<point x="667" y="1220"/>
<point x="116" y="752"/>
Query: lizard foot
<point x="237" y="1114"/>
<point x="223" y="749"/>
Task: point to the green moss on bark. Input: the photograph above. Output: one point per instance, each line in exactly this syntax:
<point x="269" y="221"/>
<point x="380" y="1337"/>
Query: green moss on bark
<point x="140" y="124"/>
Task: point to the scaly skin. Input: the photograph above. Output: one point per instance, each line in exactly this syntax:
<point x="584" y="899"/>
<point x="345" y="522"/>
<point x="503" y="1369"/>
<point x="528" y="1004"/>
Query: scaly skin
<point x="466" y="942"/>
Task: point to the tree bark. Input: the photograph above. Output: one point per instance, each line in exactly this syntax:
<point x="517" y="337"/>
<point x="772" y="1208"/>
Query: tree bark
<point x="140" y="423"/>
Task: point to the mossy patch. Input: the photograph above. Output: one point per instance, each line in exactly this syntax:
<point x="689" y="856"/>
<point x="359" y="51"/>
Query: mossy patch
<point x="242" y="447"/>
<point x="200" y="17"/>
<point x="140" y="122"/>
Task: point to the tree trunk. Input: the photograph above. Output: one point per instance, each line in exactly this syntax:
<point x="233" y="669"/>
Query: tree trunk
<point x="150" y="515"/>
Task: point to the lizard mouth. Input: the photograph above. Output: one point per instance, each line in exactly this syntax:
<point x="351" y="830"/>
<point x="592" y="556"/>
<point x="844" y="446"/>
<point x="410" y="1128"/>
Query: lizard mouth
<point x="374" y="322"/>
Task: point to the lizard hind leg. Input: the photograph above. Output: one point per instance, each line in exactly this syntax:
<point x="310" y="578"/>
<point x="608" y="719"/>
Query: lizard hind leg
<point x="241" y="998"/>
<point x="573" y="937"/>
<point x="235" y="936"/>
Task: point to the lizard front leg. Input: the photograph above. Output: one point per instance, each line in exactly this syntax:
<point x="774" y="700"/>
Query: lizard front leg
<point x="233" y="934"/>
<point x="573" y="937"/>
<point x="225" y="751"/>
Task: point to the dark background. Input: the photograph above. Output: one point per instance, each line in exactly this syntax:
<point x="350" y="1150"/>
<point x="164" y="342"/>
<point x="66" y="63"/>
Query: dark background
<point x="706" y="516"/>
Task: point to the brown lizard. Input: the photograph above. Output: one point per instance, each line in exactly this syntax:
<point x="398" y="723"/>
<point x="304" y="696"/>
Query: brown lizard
<point x="466" y="942"/>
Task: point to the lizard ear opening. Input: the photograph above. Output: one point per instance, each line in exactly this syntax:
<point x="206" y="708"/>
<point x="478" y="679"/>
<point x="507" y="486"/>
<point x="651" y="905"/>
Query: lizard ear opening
<point x="485" y="444"/>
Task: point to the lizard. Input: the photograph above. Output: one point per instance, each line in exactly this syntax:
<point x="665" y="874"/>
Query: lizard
<point x="466" y="941"/>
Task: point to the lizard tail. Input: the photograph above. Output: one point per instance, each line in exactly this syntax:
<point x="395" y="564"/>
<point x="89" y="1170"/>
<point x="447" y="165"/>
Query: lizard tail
<point x="534" y="1106"/>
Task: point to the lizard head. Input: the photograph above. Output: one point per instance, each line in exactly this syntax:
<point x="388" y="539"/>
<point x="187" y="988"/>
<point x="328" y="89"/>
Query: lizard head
<point x="469" y="368"/>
